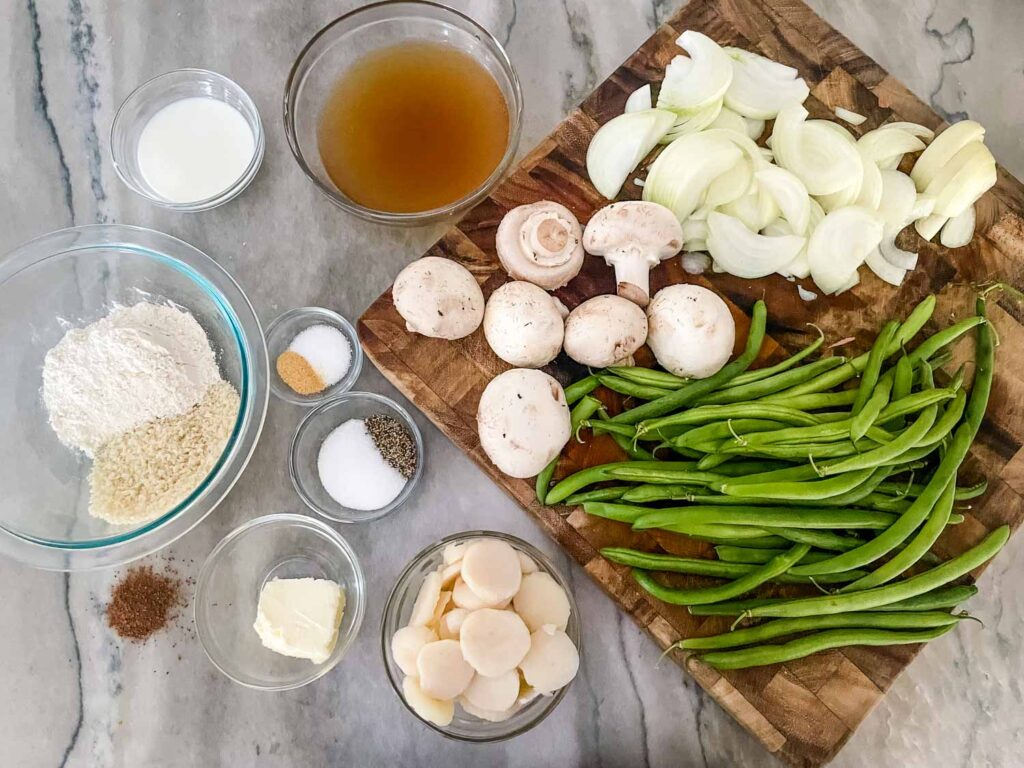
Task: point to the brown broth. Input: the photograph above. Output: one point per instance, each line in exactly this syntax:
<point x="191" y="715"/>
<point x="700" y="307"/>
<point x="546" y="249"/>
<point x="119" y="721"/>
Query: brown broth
<point x="413" y="127"/>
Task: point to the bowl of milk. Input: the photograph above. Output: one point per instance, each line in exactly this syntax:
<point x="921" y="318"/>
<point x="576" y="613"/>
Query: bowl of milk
<point x="188" y="140"/>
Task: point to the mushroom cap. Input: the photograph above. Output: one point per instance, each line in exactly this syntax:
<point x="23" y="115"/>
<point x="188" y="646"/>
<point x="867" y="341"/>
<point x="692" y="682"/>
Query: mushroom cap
<point x="523" y="325"/>
<point x="604" y="330"/>
<point x="540" y="243"/>
<point x="691" y="332"/>
<point x="438" y="298"/>
<point x="523" y="421"/>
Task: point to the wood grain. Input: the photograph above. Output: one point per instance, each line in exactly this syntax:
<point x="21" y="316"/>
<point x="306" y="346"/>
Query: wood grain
<point x="804" y="711"/>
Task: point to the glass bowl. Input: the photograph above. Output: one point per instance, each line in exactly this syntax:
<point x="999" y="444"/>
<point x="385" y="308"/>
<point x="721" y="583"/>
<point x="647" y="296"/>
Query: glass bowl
<point x="317" y="425"/>
<point x="286" y="327"/>
<point x="345" y="40"/>
<point x="152" y="96"/>
<point x="228" y="591"/>
<point x="70" y="278"/>
<point x="396" y="615"/>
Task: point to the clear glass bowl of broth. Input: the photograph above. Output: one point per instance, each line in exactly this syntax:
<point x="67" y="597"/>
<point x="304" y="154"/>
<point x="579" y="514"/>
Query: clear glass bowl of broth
<point x="403" y="113"/>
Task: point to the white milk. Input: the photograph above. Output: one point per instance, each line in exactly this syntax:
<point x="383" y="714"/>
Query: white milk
<point x="194" y="149"/>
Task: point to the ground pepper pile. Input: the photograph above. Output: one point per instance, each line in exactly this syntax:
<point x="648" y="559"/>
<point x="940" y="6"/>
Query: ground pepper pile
<point x="394" y="443"/>
<point x="142" y="603"/>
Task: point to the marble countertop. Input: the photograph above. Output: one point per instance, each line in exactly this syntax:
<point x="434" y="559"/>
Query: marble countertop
<point x="74" y="695"/>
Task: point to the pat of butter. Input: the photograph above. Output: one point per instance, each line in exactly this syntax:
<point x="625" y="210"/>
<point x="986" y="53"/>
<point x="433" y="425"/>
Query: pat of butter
<point x="300" y="617"/>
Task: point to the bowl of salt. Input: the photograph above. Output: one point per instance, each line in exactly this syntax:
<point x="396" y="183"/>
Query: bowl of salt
<point x="356" y="458"/>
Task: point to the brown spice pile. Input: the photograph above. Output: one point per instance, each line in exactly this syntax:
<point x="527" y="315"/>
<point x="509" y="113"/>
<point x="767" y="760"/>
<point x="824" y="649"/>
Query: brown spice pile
<point x="143" y="602"/>
<point x="297" y="373"/>
<point x="394" y="443"/>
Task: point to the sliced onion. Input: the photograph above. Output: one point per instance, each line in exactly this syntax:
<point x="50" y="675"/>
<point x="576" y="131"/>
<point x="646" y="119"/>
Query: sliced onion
<point x="822" y="159"/>
<point x="849" y="116"/>
<point x="842" y="198"/>
<point x="929" y="226"/>
<point x="959" y="230"/>
<point x="899" y="195"/>
<point x="839" y="130"/>
<point x="745" y="253"/>
<point x="703" y="80"/>
<point x="695" y="229"/>
<point x="915" y="129"/>
<point x="789" y="194"/>
<point x="755" y="127"/>
<point x="804" y="294"/>
<point x="695" y="263"/>
<point x="698" y="121"/>
<point x="730" y="121"/>
<point x="681" y="174"/>
<point x="945" y="146"/>
<point x="884" y="270"/>
<point x="695" y="246"/>
<point x="840" y="244"/>
<point x="620" y="144"/>
<point x="640" y="99"/>
<point x="731" y="185"/>
<point x="895" y="255"/>
<point x="963" y="180"/>
<point x="888" y="144"/>
<point x="755" y="209"/>
<point x="924" y="206"/>
<point x="761" y="87"/>
<point x="870" y="195"/>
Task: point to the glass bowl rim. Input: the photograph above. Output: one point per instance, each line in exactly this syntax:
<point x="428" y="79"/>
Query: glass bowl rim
<point x="545" y="563"/>
<point x="468" y="200"/>
<point x="370" y="515"/>
<point x="286" y="519"/>
<point x="340" y="387"/>
<point x="225" y="195"/>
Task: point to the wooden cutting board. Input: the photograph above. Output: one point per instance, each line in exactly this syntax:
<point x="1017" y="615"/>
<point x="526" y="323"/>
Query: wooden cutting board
<point x="802" y="711"/>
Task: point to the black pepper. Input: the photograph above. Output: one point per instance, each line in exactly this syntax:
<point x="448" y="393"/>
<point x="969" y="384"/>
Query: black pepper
<point x="394" y="443"/>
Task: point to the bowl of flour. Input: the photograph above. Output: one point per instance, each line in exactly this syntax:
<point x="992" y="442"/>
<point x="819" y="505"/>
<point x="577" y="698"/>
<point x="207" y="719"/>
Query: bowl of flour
<point x="135" y="392"/>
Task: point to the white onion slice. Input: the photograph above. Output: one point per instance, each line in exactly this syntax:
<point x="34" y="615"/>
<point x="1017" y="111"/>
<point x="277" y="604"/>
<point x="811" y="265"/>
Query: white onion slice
<point x="915" y="129"/>
<point x="963" y="180"/>
<point x="804" y="294"/>
<point x="924" y="206"/>
<point x="704" y="79"/>
<point x="870" y="195"/>
<point x="729" y="121"/>
<point x="895" y="255"/>
<point x="789" y="194"/>
<point x="899" y="196"/>
<point x="698" y="121"/>
<point x="840" y="244"/>
<point x="744" y="253"/>
<point x="755" y="209"/>
<point x="761" y="87"/>
<point x="681" y="174"/>
<point x="959" y="230"/>
<point x="850" y="116"/>
<point x="640" y="99"/>
<point x="839" y="130"/>
<point x="695" y="246"/>
<point x="929" y="226"/>
<point x="822" y="159"/>
<point x="695" y="263"/>
<point x="843" y="198"/>
<point x="695" y="229"/>
<point x="888" y="144"/>
<point x="755" y="127"/>
<point x="620" y="144"/>
<point x="731" y="185"/>
<point x="945" y="146"/>
<point x="884" y="270"/>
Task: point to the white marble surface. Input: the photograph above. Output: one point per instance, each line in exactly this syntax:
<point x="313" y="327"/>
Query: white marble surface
<point x="73" y="695"/>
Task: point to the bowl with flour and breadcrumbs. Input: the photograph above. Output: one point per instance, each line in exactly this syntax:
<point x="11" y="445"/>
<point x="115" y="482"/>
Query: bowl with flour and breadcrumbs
<point x="136" y="393"/>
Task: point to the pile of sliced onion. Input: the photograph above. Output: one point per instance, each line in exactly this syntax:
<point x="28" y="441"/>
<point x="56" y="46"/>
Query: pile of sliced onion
<point x="620" y="144"/>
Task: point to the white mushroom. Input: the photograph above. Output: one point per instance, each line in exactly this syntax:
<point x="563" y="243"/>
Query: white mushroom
<point x="523" y="324"/>
<point x="433" y="710"/>
<point x="439" y="298"/>
<point x="406" y="644"/>
<point x="523" y="421"/>
<point x="493" y="693"/>
<point x="633" y="237"/>
<point x="605" y="330"/>
<point x="691" y="330"/>
<point x="443" y="673"/>
<point x="552" y="662"/>
<point x="492" y="570"/>
<point x="493" y="641"/>
<point x="541" y="601"/>
<point x="540" y="243"/>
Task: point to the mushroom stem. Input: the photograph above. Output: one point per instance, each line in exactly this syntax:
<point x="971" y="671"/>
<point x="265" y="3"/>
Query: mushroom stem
<point x="632" y="278"/>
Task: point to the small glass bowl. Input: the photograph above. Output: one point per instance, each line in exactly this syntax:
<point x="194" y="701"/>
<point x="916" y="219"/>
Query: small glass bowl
<point x="285" y="328"/>
<point x="396" y="615"/>
<point x="347" y="39"/>
<point x="317" y="425"/>
<point x="228" y="591"/>
<point x="152" y="96"/>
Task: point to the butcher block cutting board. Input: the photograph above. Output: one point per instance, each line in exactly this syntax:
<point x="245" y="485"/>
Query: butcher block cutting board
<point x="802" y="711"/>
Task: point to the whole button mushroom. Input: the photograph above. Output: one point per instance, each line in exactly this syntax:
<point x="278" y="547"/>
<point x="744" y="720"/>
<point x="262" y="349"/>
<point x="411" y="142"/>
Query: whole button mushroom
<point x="438" y="298"/>
<point x="634" y="237"/>
<point x="541" y="244"/>
<point x="523" y="324"/>
<point x="605" y="330"/>
<point x="691" y="332"/>
<point x="523" y="421"/>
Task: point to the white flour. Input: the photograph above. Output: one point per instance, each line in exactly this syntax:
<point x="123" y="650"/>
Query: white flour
<point x="139" y="363"/>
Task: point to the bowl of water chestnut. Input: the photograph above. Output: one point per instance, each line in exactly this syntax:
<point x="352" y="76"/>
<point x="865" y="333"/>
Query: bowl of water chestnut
<point x="403" y="113"/>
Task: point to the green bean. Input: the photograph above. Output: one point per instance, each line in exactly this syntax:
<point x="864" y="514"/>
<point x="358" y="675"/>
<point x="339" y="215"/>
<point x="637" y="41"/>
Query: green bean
<point x="873" y="367"/>
<point x="903" y="378"/>
<point x="775" y="567"/>
<point x="934" y="524"/>
<point x="782" y="627"/>
<point x="722" y="531"/>
<point x="583" y="410"/>
<point x="706" y="414"/>
<point x="695" y="389"/>
<point x="763" y="387"/>
<point x="820" y="641"/>
<point x="642" y="494"/>
<point x="668" y="477"/>
<point x="943" y="597"/>
<point x="623" y="513"/>
<point x="763" y="373"/>
<point x="766" y="517"/>
<point x="731" y="553"/>
<point x="605" y="427"/>
<point x="631" y="388"/>
<point x="785" y="474"/>
<point x="912" y="490"/>
<point x="889" y="452"/>
<point x="633" y="451"/>
<point x="868" y="414"/>
<point x="758" y="542"/>
<point x="914" y="403"/>
<point x="822" y="432"/>
<point x="818" y="489"/>
<point x="647" y="376"/>
<point x="717" y="430"/>
<point x="814" y="401"/>
<point x="984" y="365"/>
<point x="944" y="338"/>
<point x="598" y="494"/>
<point x="947" y="421"/>
<point x="579" y="480"/>
<point x="697" y="566"/>
<point x="818" y="539"/>
<point x="804" y="451"/>
<point x="581" y="388"/>
<point x="749" y="467"/>
<point x="890" y="593"/>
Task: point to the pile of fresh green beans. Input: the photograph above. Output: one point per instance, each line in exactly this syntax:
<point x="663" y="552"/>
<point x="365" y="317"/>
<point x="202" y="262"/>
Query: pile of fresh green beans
<point x="837" y="473"/>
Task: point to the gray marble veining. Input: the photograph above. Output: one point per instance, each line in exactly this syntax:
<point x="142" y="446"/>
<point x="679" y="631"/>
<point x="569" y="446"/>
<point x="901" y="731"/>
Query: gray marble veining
<point x="76" y="696"/>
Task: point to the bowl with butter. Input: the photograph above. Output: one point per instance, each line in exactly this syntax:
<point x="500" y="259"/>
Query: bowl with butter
<point x="278" y="602"/>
